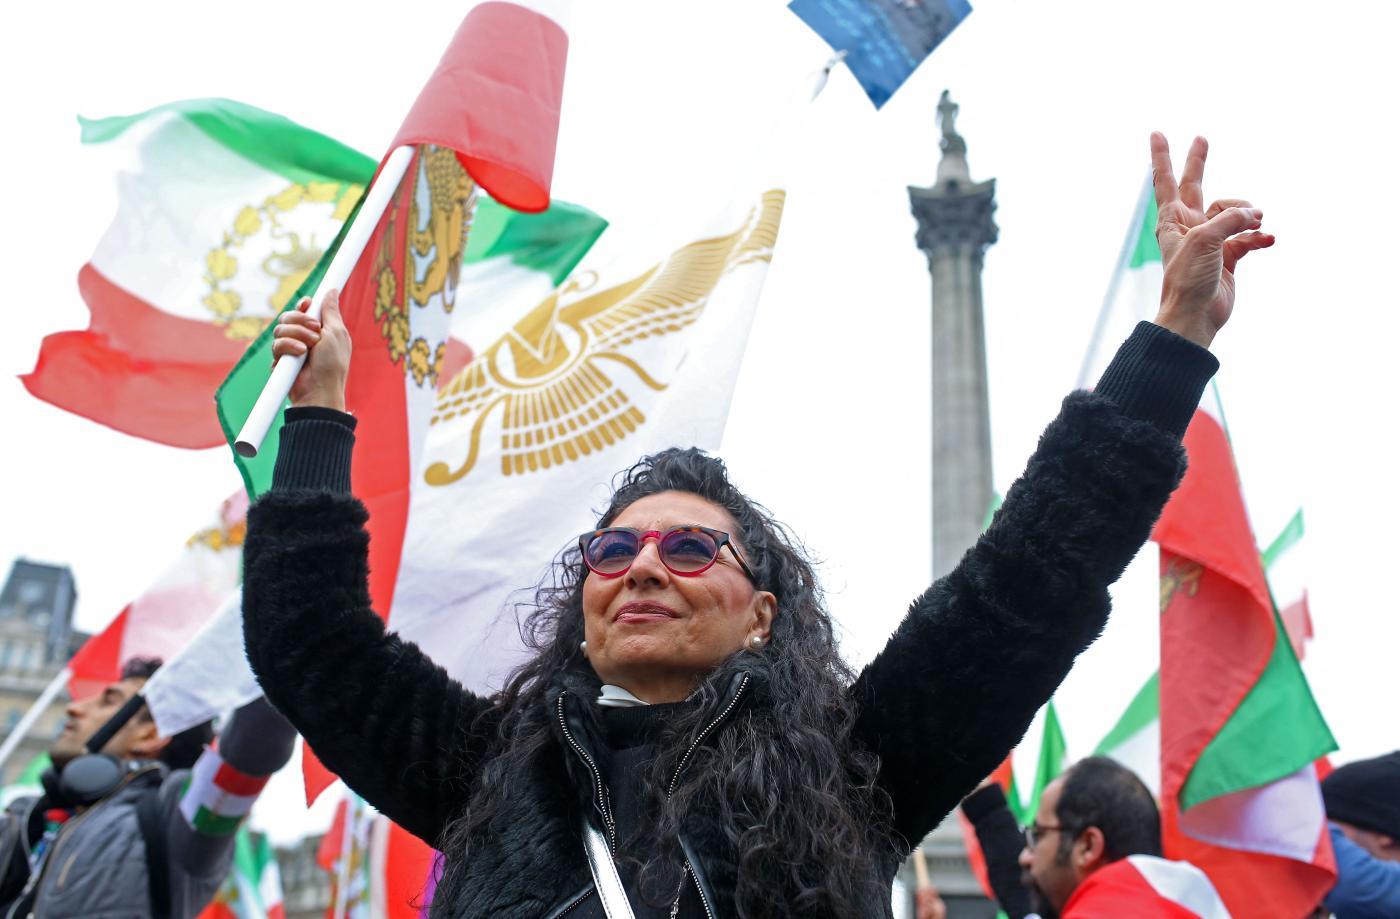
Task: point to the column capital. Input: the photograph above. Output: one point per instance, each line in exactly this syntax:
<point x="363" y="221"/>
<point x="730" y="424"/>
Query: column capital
<point x="955" y="215"/>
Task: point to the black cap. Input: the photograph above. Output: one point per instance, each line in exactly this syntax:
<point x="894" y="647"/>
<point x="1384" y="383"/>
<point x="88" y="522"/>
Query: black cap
<point x="1366" y="794"/>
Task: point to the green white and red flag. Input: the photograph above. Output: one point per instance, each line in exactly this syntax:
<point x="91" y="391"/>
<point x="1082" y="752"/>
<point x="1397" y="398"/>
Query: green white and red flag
<point x="253" y="889"/>
<point x="223" y="214"/>
<point x="218" y="797"/>
<point x="1135" y="740"/>
<point x="378" y="869"/>
<point x="224" y="211"/>
<point x="1050" y="762"/>
<point x="1286" y="562"/>
<point x="1239" y="729"/>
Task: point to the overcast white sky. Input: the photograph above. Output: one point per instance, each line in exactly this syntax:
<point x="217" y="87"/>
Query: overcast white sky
<point x="830" y="422"/>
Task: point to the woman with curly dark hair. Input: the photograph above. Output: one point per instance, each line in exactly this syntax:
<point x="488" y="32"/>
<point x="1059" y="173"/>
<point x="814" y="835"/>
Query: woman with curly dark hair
<point x="686" y="740"/>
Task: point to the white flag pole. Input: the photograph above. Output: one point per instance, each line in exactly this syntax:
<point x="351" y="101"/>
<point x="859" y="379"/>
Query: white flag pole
<point x="21" y="729"/>
<point x="285" y="370"/>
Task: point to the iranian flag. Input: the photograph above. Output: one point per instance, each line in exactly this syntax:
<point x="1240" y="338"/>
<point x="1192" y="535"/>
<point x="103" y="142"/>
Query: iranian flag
<point x="253" y="889"/>
<point x="1050" y="762"/>
<point x="1286" y="562"/>
<point x="169" y="613"/>
<point x="1239" y="729"/>
<point x="378" y="869"/>
<point x="1135" y="740"/>
<point x="222" y="216"/>
<point x="225" y="210"/>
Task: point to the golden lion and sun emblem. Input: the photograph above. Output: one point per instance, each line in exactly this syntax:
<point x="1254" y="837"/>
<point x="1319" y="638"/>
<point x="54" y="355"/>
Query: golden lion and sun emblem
<point x="420" y="263"/>
<point x="557" y="384"/>
<point x="271" y="239"/>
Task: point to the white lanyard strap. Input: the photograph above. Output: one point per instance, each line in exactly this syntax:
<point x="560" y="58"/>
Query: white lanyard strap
<point x="605" y="879"/>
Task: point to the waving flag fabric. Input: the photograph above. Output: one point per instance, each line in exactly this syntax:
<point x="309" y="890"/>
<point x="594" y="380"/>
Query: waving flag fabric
<point x="227" y="210"/>
<point x="378" y="869"/>
<point x="488" y="117"/>
<point x="1135" y="740"/>
<point x="161" y="621"/>
<point x="1239" y="729"/>
<point x="226" y="213"/>
<point x="254" y="886"/>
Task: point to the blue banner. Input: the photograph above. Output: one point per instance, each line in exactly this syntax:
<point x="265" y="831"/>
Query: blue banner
<point x="884" y="40"/>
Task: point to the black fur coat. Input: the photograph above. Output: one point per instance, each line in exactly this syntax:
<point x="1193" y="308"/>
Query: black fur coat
<point x="951" y="694"/>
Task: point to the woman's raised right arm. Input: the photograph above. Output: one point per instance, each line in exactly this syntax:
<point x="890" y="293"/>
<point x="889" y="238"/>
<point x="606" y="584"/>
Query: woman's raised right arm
<point x="377" y="711"/>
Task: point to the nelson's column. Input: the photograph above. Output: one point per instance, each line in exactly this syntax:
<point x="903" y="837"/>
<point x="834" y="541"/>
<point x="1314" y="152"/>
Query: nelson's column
<point x="955" y="229"/>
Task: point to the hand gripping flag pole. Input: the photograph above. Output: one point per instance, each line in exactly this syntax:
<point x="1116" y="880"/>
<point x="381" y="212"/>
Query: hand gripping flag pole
<point x="286" y="368"/>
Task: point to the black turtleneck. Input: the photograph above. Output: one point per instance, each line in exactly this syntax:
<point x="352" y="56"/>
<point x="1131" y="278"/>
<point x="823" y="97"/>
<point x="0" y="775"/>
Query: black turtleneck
<point x="631" y="735"/>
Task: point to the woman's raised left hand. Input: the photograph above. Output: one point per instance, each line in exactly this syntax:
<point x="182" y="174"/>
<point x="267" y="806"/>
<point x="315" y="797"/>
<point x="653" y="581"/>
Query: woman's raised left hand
<point x="1200" y="246"/>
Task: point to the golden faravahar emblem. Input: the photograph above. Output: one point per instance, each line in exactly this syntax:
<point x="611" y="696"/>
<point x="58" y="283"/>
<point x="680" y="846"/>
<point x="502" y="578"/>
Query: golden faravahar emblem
<point x="419" y="259"/>
<point x="269" y="250"/>
<point x="1181" y="576"/>
<point x="552" y="385"/>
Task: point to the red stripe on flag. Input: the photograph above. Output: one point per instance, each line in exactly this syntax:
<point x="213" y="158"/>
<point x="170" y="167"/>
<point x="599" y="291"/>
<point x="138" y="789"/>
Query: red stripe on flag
<point x="1218" y="632"/>
<point x="136" y="368"/>
<point x="495" y="98"/>
<point x="375" y="394"/>
<point x="407" y="864"/>
<point x="98" y="662"/>
<point x="1252" y="884"/>
<point x="239" y="783"/>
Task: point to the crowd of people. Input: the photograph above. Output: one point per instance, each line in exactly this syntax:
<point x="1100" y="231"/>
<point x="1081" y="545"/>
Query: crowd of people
<point x="686" y="739"/>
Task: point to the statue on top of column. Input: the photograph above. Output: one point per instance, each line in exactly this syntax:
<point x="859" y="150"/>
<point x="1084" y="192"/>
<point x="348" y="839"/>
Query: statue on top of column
<point x="947" y="113"/>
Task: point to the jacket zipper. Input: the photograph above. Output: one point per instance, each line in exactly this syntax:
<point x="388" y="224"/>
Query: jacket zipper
<point x="67" y="832"/>
<point x="574" y="905"/>
<point x="598" y="786"/>
<point x="37" y="880"/>
<point x="671" y="789"/>
<point x="700" y="738"/>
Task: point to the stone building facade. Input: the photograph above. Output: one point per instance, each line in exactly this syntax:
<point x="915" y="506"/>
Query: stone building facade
<point x="36" y="639"/>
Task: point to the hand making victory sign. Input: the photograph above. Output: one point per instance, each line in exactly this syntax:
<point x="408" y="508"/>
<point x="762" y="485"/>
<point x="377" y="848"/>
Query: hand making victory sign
<point x="1200" y="246"/>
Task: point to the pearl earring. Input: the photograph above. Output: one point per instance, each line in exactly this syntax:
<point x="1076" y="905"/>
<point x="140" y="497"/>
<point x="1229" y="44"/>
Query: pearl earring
<point x="756" y="641"/>
<point x="583" y="646"/>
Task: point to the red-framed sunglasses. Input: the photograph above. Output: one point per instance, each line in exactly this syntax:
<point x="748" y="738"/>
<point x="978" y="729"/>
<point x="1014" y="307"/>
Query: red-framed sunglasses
<point x="684" y="550"/>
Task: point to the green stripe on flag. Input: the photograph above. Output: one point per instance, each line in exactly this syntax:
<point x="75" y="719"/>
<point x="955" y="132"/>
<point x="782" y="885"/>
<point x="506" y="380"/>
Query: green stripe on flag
<point x="1142" y="711"/>
<point x="212" y="824"/>
<point x="1051" y="761"/>
<point x="1145" y="250"/>
<point x="1277" y="730"/>
<point x="233" y="401"/>
<point x="551" y="242"/>
<point x="275" y="143"/>
<point x="1285" y="540"/>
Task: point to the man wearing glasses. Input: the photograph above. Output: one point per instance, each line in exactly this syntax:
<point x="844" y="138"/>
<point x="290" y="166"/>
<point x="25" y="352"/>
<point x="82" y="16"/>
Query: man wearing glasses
<point x="1094" y="850"/>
